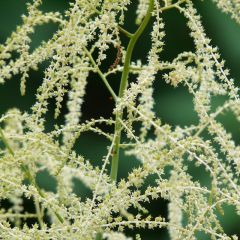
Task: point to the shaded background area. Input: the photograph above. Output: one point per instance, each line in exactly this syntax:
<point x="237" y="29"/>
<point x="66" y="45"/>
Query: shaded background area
<point x="173" y="105"/>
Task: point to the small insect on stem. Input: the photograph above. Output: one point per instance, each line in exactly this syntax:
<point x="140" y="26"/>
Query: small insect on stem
<point x="118" y="58"/>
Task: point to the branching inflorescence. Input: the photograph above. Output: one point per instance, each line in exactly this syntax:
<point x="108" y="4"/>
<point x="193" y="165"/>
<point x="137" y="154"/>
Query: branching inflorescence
<point x="79" y="47"/>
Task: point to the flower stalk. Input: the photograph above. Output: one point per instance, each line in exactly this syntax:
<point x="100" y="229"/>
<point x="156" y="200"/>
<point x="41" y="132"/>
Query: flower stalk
<point x="123" y="85"/>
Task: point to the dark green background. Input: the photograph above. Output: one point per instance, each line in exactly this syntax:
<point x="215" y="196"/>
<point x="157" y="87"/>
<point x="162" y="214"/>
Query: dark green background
<point x="174" y="106"/>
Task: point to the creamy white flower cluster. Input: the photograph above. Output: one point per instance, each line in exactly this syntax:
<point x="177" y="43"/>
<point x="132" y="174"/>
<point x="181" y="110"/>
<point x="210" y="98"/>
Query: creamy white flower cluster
<point x="86" y="32"/>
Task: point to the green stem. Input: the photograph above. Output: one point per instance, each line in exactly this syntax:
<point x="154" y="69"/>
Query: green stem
<point x="5" y="142"/>
<point x="26" y="170"/>
<point x="100" y="74"/>
<point x="99" y="236"/>
<point x="123" y="86"/>
<point x="128" y="34"/>
<point x="39" y="213"/>
<point x="172" y="5"/>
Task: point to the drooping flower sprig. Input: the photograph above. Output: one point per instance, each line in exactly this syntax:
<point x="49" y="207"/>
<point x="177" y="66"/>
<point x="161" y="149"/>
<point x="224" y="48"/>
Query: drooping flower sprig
<point x="86" y="31"/>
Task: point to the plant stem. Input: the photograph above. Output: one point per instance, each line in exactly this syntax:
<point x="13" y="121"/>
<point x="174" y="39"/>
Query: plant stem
<point x="5" y="142"/>
<point x="100" y="74"/>
<point x="123" y="85"/>
<point x="128" y="34"/>
<point x="39" y="213"/>
<point x="172" y="5"/>
<point x="99" y="236"/>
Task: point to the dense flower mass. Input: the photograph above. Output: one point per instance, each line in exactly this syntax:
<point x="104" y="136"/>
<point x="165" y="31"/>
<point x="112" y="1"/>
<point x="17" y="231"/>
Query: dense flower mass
<point x="78" y="48"/>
